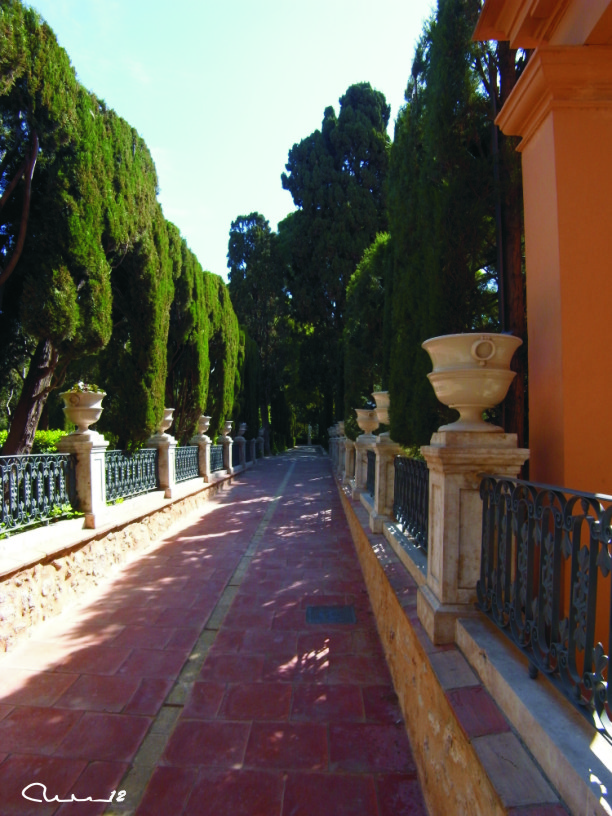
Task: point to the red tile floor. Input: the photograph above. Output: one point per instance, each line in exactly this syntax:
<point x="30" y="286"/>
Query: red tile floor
<point x="192" y="680"/>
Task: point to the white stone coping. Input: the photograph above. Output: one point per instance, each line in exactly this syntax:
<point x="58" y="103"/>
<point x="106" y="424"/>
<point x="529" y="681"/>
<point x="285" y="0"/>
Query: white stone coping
<point x="413" y="557"/>
<point x="576" y="759"/>
<point x="23" y="550"/>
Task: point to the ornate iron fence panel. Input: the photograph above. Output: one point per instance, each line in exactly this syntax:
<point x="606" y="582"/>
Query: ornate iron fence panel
<point x="216" y="458"/>
<point x="129" y="474"/>
<point x="371" y="473"/>
<point x="411" y="498"/>
<point x="545" y="579"/>
<point x="235" y="455"/>
<point x="186" y="463"/>
<point x="36" y="488"/>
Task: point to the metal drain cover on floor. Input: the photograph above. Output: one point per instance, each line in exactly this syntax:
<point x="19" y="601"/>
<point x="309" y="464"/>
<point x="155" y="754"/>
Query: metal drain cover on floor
<point x="330" y="614"/>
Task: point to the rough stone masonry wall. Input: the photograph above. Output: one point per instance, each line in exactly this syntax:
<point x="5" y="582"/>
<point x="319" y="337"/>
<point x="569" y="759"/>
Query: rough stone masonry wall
<point x="37" y="592"/>
<point x="452" y="778"/>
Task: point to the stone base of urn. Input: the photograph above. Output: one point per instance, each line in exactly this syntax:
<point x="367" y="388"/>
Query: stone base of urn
<point x="166" y="453"/>
<point x="456" y="462"/>
<point x="386" y="450"/>
<point x="90" y="474"/>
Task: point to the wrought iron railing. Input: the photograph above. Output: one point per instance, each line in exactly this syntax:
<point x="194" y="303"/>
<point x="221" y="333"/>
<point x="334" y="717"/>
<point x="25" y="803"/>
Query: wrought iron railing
<point x="545" y="579"/>
<point x="186" y="463"/>
<point x="411" y="498"/>
<point x="36" y="488"/>
<point x="371" y="473"/>
<point x="235" y="455"/>
<point x="129" y="474"/>
<point x="216" y="458"/>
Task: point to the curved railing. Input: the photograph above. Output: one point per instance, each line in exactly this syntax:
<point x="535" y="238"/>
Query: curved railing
<point x="130" y="474"/>
<point x="36" y="488"/>
<point x="545" y="579"/>
<point x="411" y="498"/>
<point x="186" y="463"/>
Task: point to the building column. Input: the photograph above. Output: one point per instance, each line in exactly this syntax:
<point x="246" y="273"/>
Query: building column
<point x="562" y="107"/>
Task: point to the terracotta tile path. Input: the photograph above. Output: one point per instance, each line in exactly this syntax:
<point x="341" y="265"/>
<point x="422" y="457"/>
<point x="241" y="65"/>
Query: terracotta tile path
<point x="193" y="681"/>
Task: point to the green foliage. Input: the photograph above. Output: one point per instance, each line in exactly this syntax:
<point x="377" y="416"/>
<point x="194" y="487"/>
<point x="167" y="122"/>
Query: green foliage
<point x="188" y="364"/>
<point x="336" y="177"/>
<point x="257" y="293"/>
<point x="363" y="331"/>
<point x="440" y="214"/>
<point x="248" y="380"/>
<point x="223" y="346"/>
<point x="44" y="441"/>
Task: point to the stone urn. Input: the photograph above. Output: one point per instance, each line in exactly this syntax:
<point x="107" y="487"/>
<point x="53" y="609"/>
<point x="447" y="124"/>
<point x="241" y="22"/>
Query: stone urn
<point x="381" y="398"/>
<point x="203" y="423"/>
<point x="367" y="420"/>
<point x="471" y="373"/>
<point x="227" y="427"/>
<point x="166" y="421"/>
<point x="83" y="407"/>
<point x="341" y="428"/>
<point x="242" y="429"/>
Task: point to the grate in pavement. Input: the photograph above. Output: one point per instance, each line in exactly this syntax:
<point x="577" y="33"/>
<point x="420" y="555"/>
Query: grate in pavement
<point x="330" y="614"/>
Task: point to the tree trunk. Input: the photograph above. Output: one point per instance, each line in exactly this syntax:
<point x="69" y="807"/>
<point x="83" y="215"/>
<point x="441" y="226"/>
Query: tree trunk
<point x="32" y="401"/>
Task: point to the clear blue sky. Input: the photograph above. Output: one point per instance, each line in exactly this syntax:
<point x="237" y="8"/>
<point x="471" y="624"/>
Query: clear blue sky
<point x="220" y="91"/>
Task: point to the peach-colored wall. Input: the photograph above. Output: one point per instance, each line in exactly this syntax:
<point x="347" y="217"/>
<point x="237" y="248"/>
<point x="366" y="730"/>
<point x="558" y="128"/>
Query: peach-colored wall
<point x="562" y="107"/>
<point x="567" y="171"/>
<point x="543" y="308"/>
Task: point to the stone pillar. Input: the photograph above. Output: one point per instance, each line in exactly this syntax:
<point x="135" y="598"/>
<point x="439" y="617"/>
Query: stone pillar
<point x="89" y="448"/>
<point x="386" y="450"/>
<point x="166" y="461"/>
<point x="203" y="442"/>
<point x="456" y="461"/>
<point x="227" y="443"/>
<point x="349" y="462"/>
<point x="241" y="442"/>
<point x="363" y="444"/>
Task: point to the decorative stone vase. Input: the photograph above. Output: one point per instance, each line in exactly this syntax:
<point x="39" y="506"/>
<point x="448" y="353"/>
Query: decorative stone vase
<point x="471" y="374"/>
<point x="341" y="428"/>
<point x="166" y="421"/>
<point x="242" y="429"/>
<point x="227" y="427"/>
<point x="83" y="408"/>
<point x="203" y="423"/>
<point x="367" y="420"/>
<point x="381" y="398"/>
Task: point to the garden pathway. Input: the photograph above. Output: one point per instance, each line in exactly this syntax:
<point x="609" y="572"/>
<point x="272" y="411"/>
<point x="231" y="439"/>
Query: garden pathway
<point x="204" y="677"/>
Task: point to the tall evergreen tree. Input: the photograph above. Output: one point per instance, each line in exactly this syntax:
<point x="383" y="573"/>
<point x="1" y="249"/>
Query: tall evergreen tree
<point x="336" y="177"/>
<point x="256" y="290"/>
<point x="441" y="211"/>
<point x="55" y="278"/>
